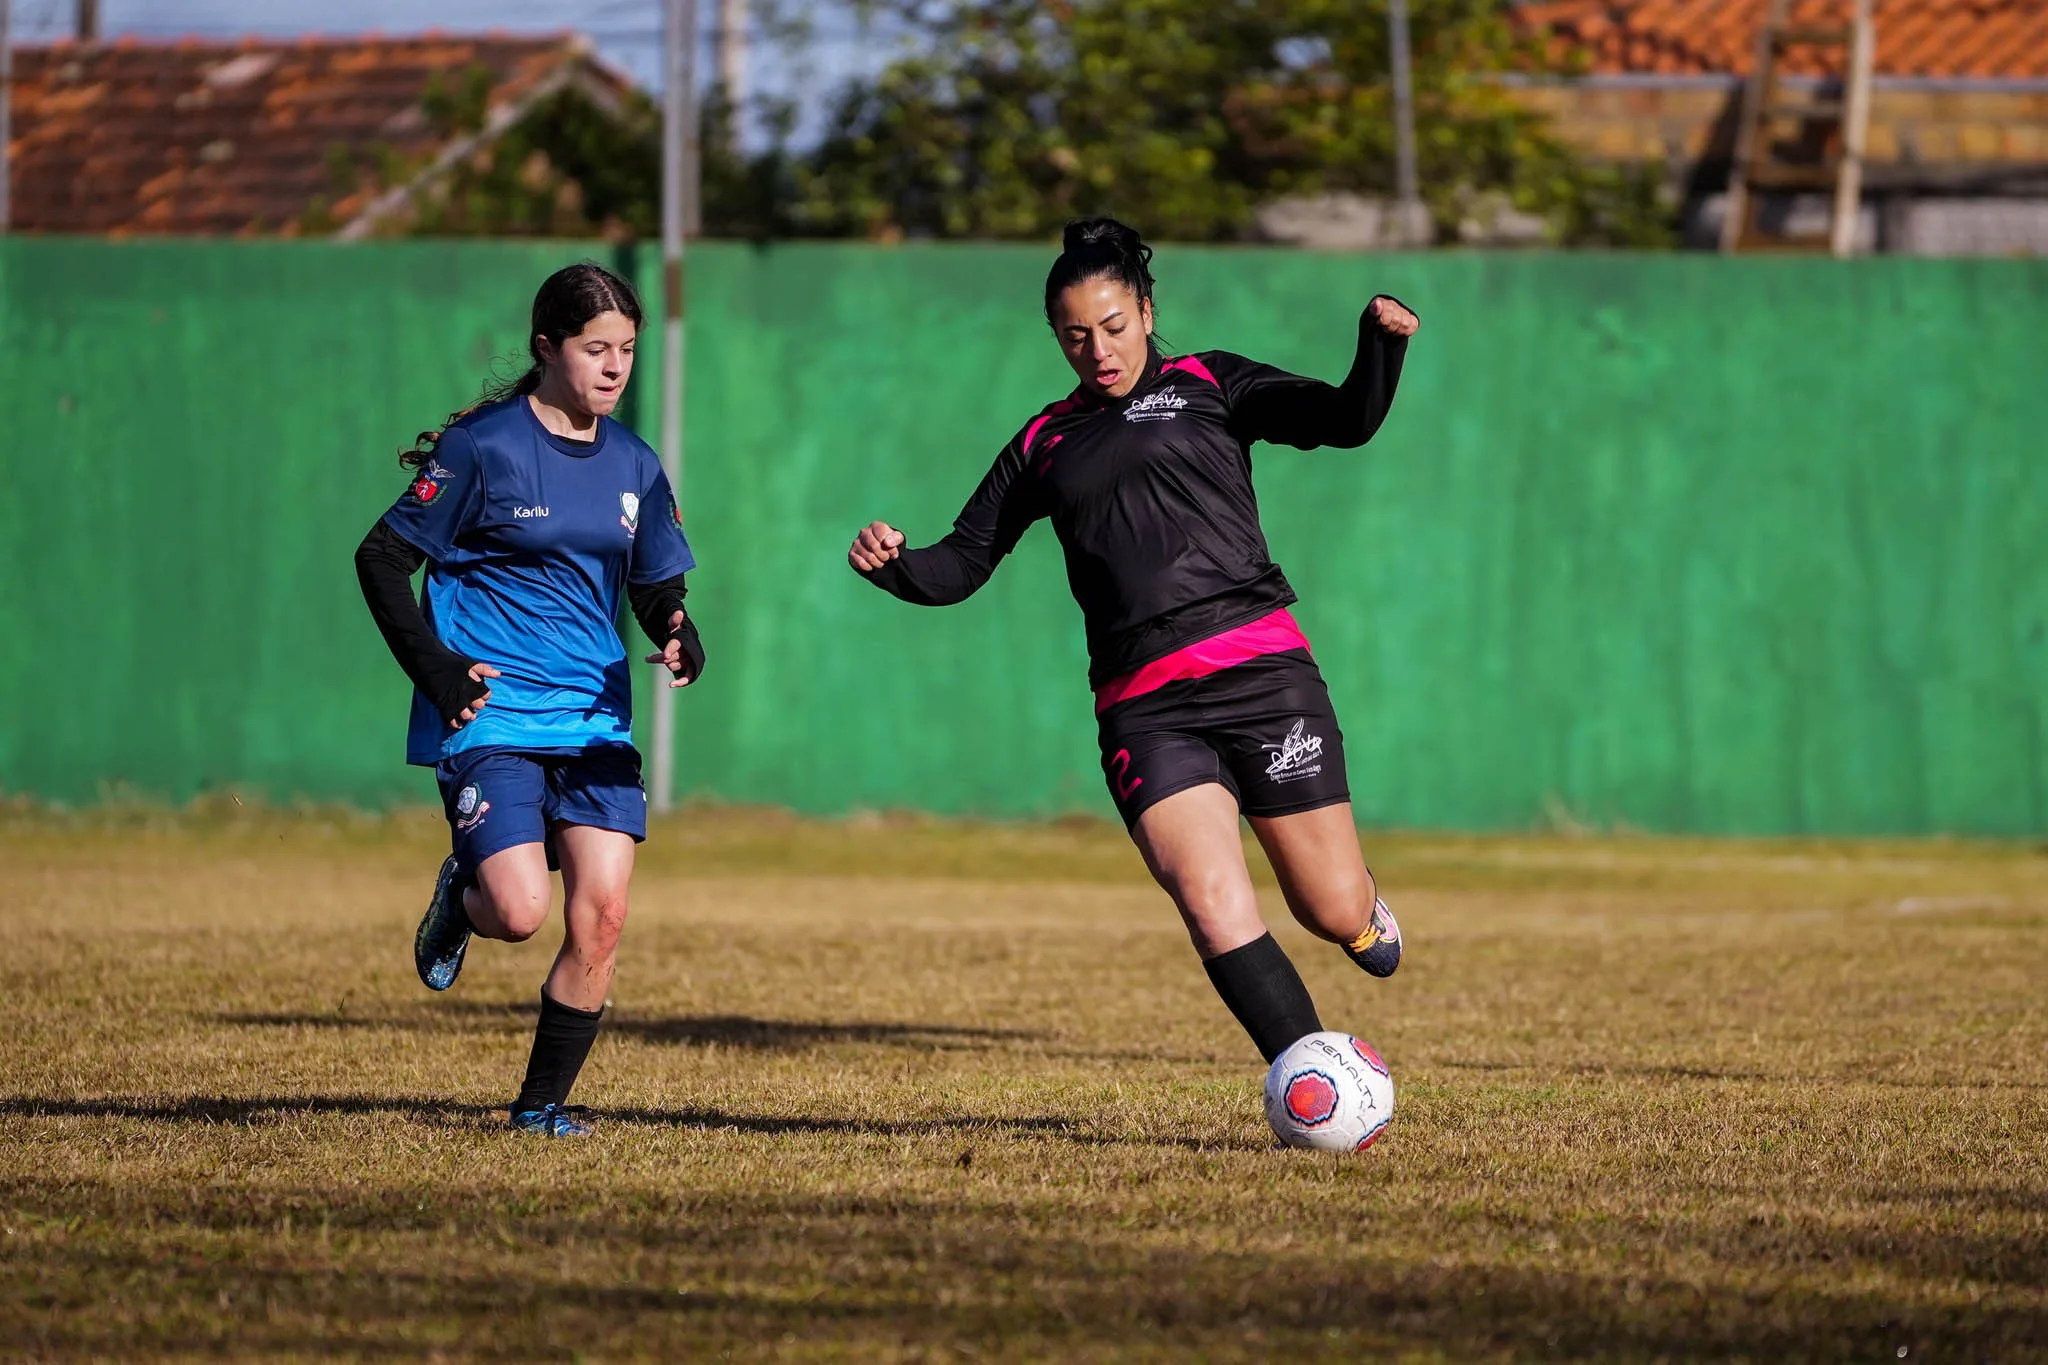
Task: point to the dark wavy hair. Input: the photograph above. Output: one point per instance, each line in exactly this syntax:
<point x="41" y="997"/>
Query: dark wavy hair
<point x="567" y="301"/>
<point x="1097" y="248"/>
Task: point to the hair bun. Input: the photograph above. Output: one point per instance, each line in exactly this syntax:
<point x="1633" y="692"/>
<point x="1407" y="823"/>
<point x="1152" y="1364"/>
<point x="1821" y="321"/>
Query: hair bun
<point x="1104" y="233"/>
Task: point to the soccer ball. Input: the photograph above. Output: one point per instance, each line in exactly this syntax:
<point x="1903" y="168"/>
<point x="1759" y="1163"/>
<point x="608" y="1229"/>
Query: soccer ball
<point x="1331" y="1092"/>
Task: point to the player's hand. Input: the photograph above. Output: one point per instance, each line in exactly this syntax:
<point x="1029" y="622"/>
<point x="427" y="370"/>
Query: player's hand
<point x="1392" y="317"/>
<point x="479" y="673"/>
<point x="875" y="546"/>
<point x="677" y="658"/>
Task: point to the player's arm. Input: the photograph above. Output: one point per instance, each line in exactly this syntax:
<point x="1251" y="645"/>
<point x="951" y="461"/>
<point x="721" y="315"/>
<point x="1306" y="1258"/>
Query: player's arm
<point x="1269" y="404"/>
<point x="458" y="687"/>
<point x="987" y="529"/>
<point x="659" y="558"/>
<point x="658" y="607"/>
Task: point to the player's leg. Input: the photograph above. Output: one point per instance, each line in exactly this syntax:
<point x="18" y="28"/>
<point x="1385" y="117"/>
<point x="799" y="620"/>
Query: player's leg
<point x="495" y="881"/>
<point x="597" y="870"/>
<point x="1191" y="843"/>
<point x="598" y="812"/>
<point x="1287" y="754"/>
<point x="1322" y="873"/>
<point x="1177" y="798"/>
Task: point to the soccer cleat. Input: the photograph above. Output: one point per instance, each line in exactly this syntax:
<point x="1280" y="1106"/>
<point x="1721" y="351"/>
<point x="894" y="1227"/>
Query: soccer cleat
<point x="443" y="935"/>
<point x="553" y="1120"/>
<point x="1378" y="949"/>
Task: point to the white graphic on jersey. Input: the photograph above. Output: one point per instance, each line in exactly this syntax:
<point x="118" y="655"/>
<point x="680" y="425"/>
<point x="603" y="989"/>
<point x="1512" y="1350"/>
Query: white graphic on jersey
<point x="1162" y="406"/>
<point x="1297" y="756"/>
<point x="629" y="507"/>
<point x="527" y="513"/>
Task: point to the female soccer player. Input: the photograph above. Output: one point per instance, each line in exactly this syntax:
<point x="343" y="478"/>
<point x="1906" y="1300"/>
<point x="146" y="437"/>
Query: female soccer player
<point x="531" y="511"/>
<point x="1208" y="703"/>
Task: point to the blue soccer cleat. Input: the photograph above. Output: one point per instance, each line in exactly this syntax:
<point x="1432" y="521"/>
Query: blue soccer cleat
<point x="1378" y="949"/>
<point x="443" y="935"/>
<point x="554" y="1120"/>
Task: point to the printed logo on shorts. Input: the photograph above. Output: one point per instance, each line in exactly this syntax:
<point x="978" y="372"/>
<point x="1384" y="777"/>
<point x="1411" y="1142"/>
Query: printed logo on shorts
<point x="1297" y="756"/>
<point x="471" y="807"/>
<point x="629" y="512"/>
<point x="1162" y="406"/>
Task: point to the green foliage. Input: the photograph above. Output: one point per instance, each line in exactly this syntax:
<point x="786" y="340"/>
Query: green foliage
<point x="1005" y="118"/>
<point x="1011" y="116"/>
<point x="567" y="169"/>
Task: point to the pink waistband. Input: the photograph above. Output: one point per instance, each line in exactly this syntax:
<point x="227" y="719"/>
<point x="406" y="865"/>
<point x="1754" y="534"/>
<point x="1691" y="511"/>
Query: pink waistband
<point x="1273" y="633"/>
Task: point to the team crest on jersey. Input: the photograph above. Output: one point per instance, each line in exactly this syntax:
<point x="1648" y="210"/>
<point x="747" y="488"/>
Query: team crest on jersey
<point x="629" y="512"/>
<point x="432" y="482"/>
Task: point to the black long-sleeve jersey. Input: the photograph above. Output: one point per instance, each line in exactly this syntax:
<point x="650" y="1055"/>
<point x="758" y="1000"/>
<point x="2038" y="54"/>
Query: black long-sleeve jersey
<point x="1151" y="497"/>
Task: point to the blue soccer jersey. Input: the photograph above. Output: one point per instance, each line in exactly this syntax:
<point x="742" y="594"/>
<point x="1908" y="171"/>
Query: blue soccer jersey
<point x="530" y="539"/>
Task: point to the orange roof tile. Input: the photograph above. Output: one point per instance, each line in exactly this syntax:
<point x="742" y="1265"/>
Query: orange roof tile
<point x="209" y="137"/>
<point x="1961" y="39"/>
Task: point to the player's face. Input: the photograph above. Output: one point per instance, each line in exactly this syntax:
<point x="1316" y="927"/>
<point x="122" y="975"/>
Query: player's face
<point x="1105" y="331"/>
<point x="595" y="363"/>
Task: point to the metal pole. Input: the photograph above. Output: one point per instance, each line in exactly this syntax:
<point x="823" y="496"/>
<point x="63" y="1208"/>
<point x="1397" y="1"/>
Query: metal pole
<point x="1855" y="129"/>
<point x="88" y="21"/>
<point x="6" y="117"/>
<point x="679" y="43"/>
<point x="732" y="65"/>
<point x="1413" y="218"/>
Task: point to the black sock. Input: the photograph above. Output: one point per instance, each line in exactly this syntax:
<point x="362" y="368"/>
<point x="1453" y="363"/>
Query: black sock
<point x="561" y="1040"/>
<point x="1264" y="991"/>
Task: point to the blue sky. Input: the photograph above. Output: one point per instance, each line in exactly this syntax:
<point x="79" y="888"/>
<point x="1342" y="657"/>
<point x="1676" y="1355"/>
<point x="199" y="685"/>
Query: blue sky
<point x="628" y="32"/>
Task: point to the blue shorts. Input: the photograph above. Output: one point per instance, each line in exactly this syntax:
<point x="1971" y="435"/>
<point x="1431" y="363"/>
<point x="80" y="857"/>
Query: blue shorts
<point x="497" y="799"/>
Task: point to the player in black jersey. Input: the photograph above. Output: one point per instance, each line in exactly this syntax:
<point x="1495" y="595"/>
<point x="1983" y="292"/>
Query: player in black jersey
<point x="1208" y="702"/>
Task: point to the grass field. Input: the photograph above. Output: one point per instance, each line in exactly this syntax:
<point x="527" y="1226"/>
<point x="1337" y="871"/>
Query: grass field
<point x="912" y="1090"/>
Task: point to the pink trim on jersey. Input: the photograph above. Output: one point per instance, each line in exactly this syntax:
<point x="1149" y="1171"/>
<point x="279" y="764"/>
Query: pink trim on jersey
<point x="1188" y="364"/>
<point x="1274" y="633"/>
<point x="1059" y="409"/>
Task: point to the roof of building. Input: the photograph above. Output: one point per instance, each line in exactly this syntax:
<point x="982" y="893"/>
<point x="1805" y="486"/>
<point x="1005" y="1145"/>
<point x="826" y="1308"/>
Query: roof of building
<point x="1943" y="39"/>
<point x="256" y="137"/>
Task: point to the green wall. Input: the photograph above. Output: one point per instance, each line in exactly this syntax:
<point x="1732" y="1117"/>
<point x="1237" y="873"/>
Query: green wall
<point x="1671" y="541"/>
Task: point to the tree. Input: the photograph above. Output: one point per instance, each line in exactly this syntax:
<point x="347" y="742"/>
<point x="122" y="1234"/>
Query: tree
<point x="1014" y="115"/>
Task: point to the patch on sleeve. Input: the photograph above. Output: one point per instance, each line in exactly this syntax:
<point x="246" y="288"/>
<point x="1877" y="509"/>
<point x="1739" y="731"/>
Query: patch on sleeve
<point x="430" y="485"/>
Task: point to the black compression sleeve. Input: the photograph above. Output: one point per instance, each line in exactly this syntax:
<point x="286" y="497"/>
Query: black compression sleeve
<point x="1001" y="509"/>
<point x="654" y="606"/>
<point x="385" y="564"/>
<point x="1272" y="405"/>
<point x="939" y="575"/>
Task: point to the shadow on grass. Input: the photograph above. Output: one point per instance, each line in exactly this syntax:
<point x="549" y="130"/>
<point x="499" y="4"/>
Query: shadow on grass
<point x="865" y="1276"/>
<point x="254" y="1110"/>
<point x="702" y="1030"/>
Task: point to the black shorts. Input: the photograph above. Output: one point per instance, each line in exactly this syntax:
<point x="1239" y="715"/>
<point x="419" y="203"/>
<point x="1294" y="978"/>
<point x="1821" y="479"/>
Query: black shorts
<point x="1264" y="729"/>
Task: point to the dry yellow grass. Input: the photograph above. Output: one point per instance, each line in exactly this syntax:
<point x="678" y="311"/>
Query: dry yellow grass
<point x="916" y="1090"/>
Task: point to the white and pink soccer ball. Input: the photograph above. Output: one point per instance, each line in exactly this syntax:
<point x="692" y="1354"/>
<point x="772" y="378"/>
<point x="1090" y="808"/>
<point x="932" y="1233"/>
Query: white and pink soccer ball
<point x="1331" y="1092"/>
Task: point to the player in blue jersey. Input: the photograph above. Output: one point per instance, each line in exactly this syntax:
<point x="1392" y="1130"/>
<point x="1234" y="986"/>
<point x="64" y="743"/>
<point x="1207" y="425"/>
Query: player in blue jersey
<point x="532" y="512"/>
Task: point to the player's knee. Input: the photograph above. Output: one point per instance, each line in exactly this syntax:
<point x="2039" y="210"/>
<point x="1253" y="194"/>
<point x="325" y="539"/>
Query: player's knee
<point x="604" y="921"/>
<point x="520" y="910"/>
<point x="524" y="920"/>
<point x="1215" y="896"/>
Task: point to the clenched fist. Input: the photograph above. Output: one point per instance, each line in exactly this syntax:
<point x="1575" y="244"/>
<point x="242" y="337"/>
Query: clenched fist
<point x="876" y="545"/>
<point x="1392" y="317"/>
